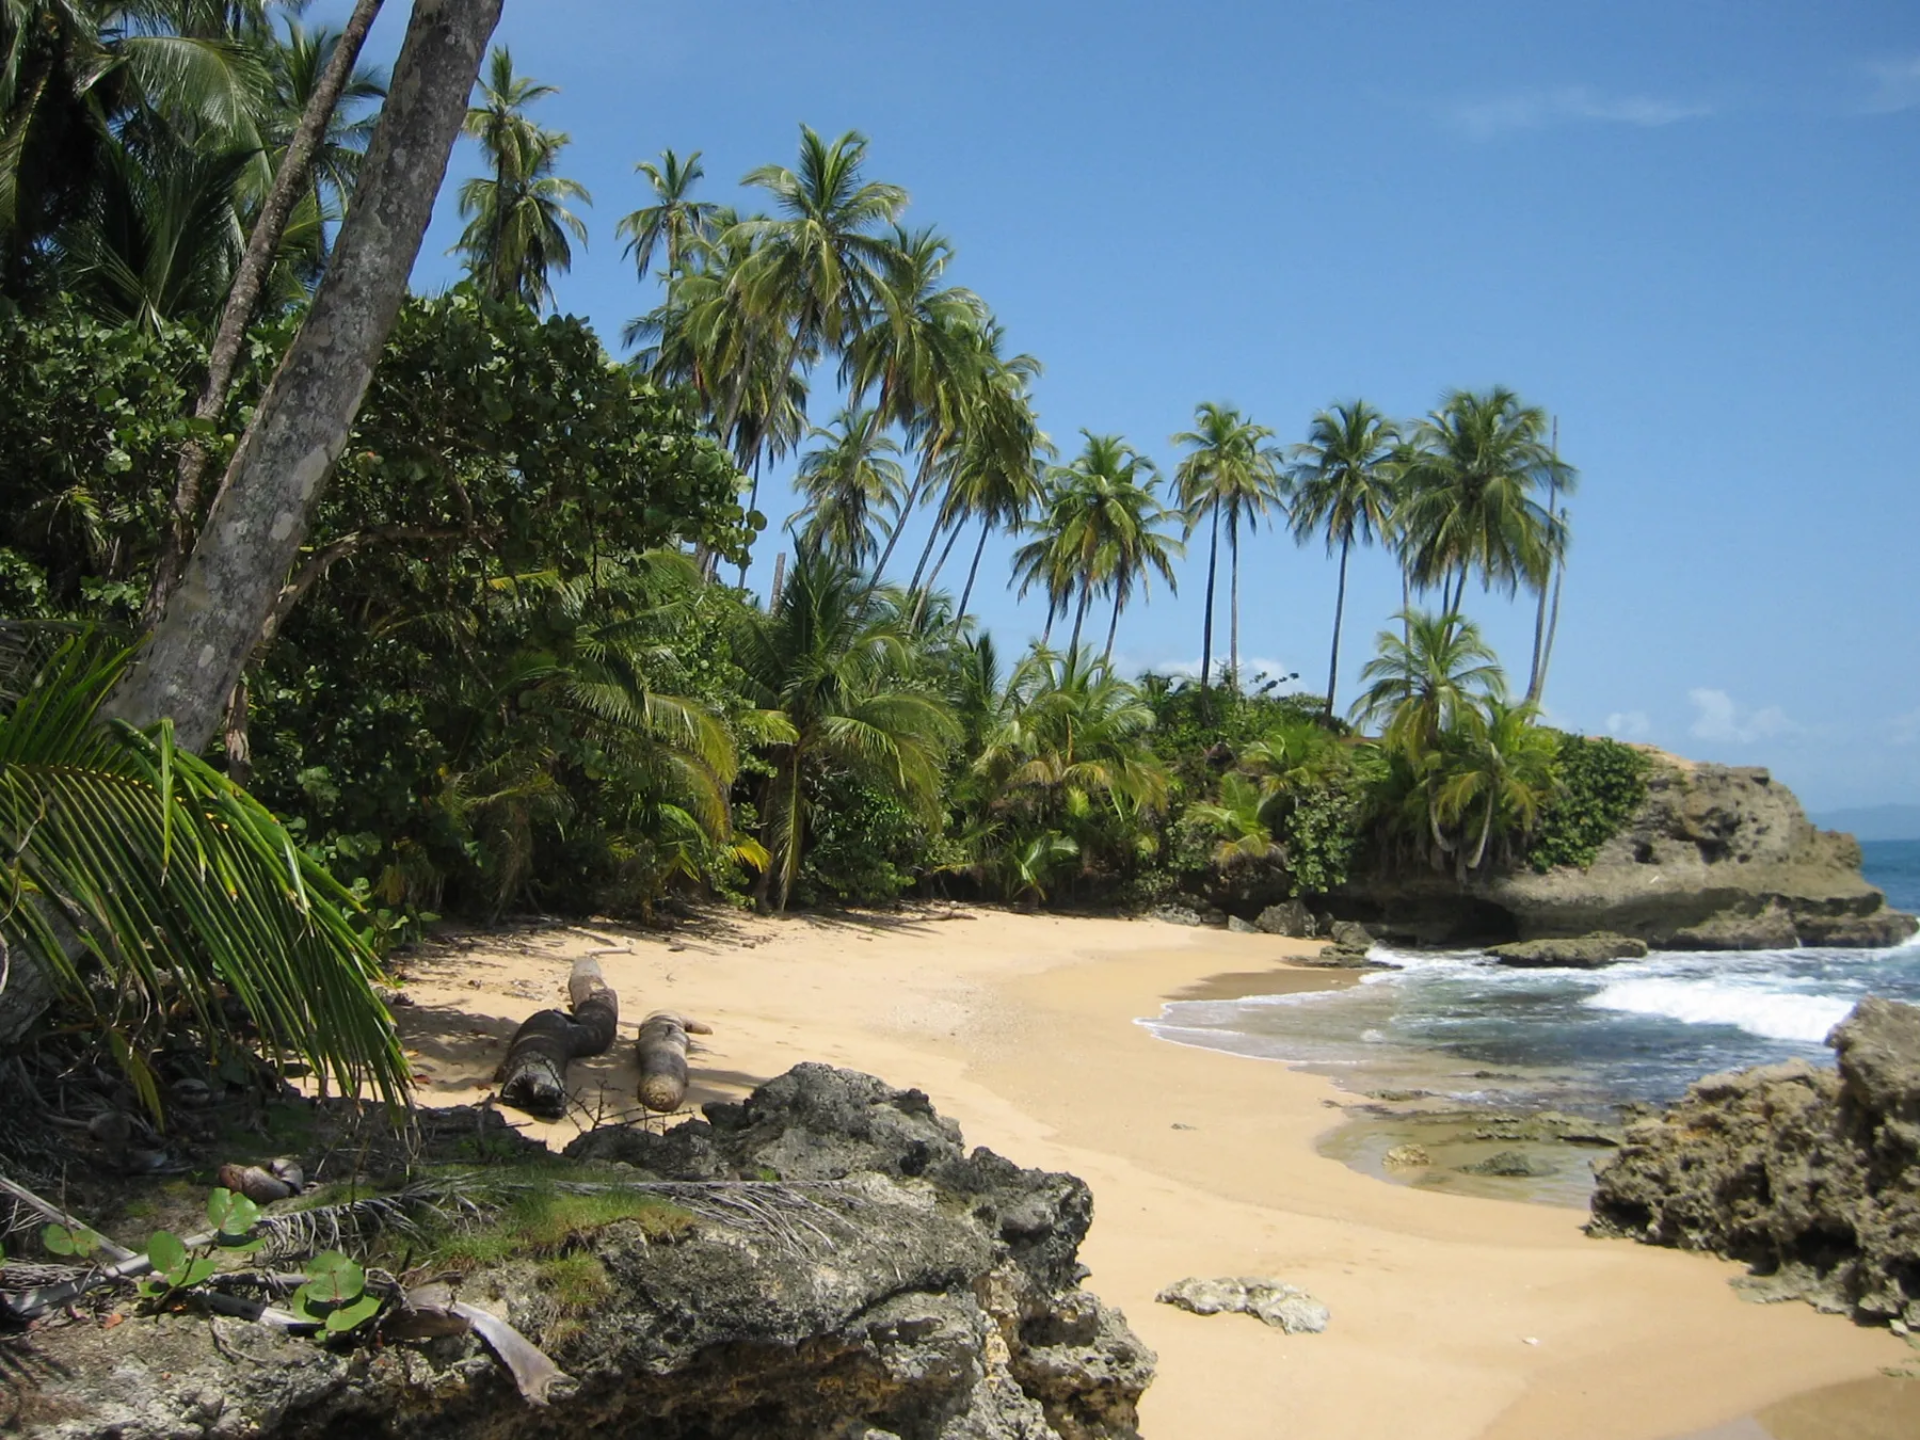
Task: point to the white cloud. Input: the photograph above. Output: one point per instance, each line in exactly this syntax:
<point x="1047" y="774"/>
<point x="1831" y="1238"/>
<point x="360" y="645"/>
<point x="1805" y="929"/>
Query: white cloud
<point x="1533" y="109"/>
<point x="1895" y="85"/>
<point x="1718" y="717"/>
<point x="1629" y="725"/>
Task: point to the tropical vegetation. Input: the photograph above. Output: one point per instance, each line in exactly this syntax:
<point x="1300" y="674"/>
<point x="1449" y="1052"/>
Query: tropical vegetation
<point x="507" y="672"/>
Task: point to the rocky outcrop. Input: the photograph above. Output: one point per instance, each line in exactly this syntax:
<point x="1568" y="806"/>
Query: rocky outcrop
<point x="1810" y="1176"/>
<point x="1717" y="857"/>
<point x="919" y="1291"/>
<point x="1584" y="952"/>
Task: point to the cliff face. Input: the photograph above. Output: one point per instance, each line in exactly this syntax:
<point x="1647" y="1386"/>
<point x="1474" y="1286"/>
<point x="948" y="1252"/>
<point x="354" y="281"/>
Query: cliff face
<point x="919" y="1292"/>
<point x="1810" y="1176"/>
<point x="1717" y="857"/>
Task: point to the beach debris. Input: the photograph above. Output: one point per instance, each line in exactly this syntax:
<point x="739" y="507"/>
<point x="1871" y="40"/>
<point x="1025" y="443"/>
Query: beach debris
<point x="1406" y="1157"/>
<point x="1285" y="1307"/>
<point x="431" y="1310"/>
<point x="1513" y="1164"/>
<point x="280" y="1179"/>
<point x="663" y="1058"/>
<point x="533" y="1077"/>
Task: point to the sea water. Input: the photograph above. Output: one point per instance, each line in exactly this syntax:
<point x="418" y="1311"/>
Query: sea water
<point x="1460" y="1025"/>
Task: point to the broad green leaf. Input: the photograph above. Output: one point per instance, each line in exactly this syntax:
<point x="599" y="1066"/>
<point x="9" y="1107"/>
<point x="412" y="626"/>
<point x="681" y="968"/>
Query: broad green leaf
<point x="167" y="1253"/>
<point x="197" y="1271"/>
<point x="349" y="1316"/>
<point x="61" y="1239"/>
<point x="231" y="1212"/>
<point x="341" y="1281"/>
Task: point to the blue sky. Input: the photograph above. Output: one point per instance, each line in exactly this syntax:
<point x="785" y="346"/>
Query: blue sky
<point x="1688" y="229"/>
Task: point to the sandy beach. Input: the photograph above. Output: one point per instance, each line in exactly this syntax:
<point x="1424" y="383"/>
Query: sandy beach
<point x="1452" y="1317"/>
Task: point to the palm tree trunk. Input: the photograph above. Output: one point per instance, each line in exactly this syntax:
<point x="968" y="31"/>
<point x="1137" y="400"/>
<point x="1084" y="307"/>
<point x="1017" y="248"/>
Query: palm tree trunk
<point x="927" y="459"/>
<point x="920" y="605"/>
<point x="1079" y="614"/>
<point x="1540" y="614"/>
<point x="210" y="625"/>
<point x="1113" y="625"/>
<point x="1206" y="623"/>
<point x="972" y="571"/>
<point x="1339" y="611"/>
<point x="1553" y="629"/>
<point x="289" y="183"/>
<point x="1233" y="567"/>
<point x="796" y="828"/>
<point x="926" y="554"/>
<point x="753" y="499"/>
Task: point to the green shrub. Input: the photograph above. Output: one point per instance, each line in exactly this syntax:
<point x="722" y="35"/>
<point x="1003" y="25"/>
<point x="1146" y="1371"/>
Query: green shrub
<point x="1601" y="784"/>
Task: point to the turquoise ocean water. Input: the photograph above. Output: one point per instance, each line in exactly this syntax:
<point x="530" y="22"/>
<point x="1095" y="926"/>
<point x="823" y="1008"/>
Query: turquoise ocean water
<point x="1464" y="1026"/>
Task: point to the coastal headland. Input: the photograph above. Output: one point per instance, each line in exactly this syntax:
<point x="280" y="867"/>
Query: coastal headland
<point x="1451" y="1316"/>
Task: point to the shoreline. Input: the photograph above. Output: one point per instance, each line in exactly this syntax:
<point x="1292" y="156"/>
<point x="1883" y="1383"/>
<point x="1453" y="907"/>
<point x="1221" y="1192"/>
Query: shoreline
<point x="1452" y="1316"/>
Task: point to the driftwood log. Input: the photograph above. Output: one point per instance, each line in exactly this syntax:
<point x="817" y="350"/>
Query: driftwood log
<point x="533" y="1077"/>
<point x="663" y="1058"/>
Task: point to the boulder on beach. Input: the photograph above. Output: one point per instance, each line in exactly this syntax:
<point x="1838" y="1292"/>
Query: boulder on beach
<point x="1810" y="1176"/>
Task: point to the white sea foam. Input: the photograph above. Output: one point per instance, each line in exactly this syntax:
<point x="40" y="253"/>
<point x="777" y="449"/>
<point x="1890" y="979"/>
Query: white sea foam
<point x="1773" y="1014"/>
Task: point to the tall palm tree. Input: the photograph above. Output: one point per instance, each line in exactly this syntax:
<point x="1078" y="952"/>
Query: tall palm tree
<point x="849" y="480"/>
<point x="811" y="266"/>
<point x="1422" y="685"/>
<point x="518" y="221"/>
<point x="1231" y="472"/>
<point x="1476" y="464"/>
<point x="1559" y="538"/>
<point x="1099" y="531"/>
<point x="925" y="351"/>
<point x="831" y="666"/>
<point x="675" y="222"/>
<point x="1344" y="486"/>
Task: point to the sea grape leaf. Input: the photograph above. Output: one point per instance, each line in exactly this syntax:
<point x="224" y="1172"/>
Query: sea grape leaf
<point x="336" y="1282"/>
<point x="62" y="1239"/>
<point x="167" y="1253"/>
<point x="231" y="1212"/>
<point x="348" y="1317"/>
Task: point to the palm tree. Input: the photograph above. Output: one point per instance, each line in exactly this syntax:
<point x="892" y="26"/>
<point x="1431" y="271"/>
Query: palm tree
<point x="79" y="79"/>
<point x="811" y="267"/>
<point x="674" y="222"/>
<point x="849" y="480"/>
<point x="1469" y="504"/>
<point x="1497" y="777"/>
<point x="1075" y="729"/>
<point x="298" y="64"/>
<point x="1559" y="538"/>
<point x="146" y="886"/>
<point x="517" y="215"/>
<point x="1422" y="684"/>
<point x="1229" y="471"/>
<point x="1099" y="532"/>
<point x="926" y="351"/>
<point x="1344" y="485"/>
<point x="831" y="666"/>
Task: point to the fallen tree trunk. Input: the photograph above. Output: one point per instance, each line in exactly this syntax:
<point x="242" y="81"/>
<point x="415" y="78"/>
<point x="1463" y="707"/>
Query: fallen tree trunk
<point x="663" y="1059"/>
<point x="533" y="1077"/>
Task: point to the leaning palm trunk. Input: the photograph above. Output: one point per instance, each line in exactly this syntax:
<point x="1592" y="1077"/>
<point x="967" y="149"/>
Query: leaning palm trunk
<point x="213" y="619"/>
<point x="920" y="601"/>
<point x="1079" y="614"/>
<point x="289" y="183"/>
<point x="973" y="572"/>
<point x="1113" y="626"/>
<point x="1553" y="629"/>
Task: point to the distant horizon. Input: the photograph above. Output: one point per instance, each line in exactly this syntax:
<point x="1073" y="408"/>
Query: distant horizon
<point x="1871" y="824"/>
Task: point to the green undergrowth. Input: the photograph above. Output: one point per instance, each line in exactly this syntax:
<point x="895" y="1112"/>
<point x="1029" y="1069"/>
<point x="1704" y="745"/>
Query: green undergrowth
<point x="545" y="1223"/>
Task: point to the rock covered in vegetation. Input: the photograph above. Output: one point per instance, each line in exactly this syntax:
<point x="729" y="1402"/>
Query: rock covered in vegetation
<point x="928" y="1293"/>
<point x="1583" y="952"/>
<point x="1285" y="1307"/>
<point x="1810" y="1176"/>
<point x="1716" y="856"/>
